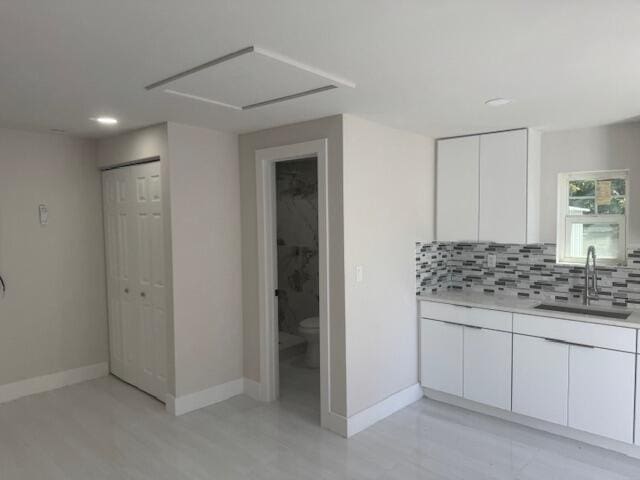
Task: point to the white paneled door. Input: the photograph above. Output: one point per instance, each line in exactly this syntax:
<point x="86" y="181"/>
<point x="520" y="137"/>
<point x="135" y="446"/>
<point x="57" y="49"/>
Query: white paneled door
<point x="134" y="235"/>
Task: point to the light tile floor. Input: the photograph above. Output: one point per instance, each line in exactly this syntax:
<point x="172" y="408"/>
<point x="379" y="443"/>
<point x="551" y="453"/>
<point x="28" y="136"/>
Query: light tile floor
<point x="105" y="429"/>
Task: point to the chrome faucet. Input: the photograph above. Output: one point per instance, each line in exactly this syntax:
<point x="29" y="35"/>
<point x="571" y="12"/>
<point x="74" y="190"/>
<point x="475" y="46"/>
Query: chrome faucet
<point x="590" y="293"/>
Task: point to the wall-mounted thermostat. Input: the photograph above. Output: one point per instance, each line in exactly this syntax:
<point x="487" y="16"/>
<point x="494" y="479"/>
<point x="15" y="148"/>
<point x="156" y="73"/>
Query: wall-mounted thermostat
<point x="44" y="214"/>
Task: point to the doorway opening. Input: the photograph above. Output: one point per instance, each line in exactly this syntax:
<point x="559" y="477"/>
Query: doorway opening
<point x="293" y="272"/>
<point x="298" y="294"/>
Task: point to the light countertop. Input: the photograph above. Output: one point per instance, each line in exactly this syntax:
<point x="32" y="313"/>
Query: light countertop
<point x="526" y="306"/>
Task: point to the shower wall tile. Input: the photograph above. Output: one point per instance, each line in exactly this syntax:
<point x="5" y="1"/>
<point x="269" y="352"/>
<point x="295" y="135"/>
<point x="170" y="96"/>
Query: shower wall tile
<point x="297" y="227"/>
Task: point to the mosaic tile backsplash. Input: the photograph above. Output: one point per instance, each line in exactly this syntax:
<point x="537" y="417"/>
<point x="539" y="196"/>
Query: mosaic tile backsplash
<point x="526" y="271"/>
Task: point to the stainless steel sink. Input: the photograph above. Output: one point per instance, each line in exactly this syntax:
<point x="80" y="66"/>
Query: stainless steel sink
<point x="595" y="312"/>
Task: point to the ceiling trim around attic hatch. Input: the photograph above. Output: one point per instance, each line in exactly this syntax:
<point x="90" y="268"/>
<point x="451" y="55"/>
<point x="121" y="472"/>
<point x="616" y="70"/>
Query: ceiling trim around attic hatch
<point x="336" y="81"/>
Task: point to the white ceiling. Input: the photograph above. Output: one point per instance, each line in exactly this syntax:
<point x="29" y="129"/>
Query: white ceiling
<point x="422" y="65"/>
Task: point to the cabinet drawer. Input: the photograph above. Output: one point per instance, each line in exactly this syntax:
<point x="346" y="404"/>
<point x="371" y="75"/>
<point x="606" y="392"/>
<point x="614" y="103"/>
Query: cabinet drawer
<point x="478" y="317"/>
<point x="584" y="333"/>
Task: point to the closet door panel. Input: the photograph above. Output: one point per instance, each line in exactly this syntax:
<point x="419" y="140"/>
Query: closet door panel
<point x="134" y="234"/>
<point x="150" y="282"/>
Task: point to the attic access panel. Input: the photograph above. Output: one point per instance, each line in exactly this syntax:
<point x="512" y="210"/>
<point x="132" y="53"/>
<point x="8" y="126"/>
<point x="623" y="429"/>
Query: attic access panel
<point x="250" y="78"/>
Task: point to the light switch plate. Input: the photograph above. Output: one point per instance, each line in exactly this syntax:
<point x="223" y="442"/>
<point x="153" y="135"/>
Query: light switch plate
<point x="359" y="273"/>
<point x="44" y="214"/>
<point x="491" y="260"/>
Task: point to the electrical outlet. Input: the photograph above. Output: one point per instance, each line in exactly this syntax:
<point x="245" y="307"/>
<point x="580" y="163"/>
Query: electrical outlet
<point x="491" y="260"/>
<point x="43" y="213"/>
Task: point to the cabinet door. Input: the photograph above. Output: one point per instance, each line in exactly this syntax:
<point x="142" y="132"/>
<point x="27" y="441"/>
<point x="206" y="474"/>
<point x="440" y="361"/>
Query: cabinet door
<point x="503" y="187"/>
<point x="457" y="189"/>
<point x="540" y="378"/>
<point x="487" y="367"/>
<point x="441" y="356"/>
<point x="637" y="437"/>
<point x="601" y="392"/>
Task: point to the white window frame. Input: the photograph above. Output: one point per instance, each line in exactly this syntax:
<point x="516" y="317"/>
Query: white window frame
<point x="565" y="220"/>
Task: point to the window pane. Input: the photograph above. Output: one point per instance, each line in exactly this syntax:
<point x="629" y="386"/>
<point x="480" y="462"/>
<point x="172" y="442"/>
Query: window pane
<point x="604" y="236"/>
<point x="582" y="188"/>
<point x="581" y="206"/>
<point x="615" y="206"/>
<point x="618" y="186"/>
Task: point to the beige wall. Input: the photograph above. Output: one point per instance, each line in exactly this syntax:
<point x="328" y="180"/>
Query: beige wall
<point x="207" y="288"/>
<point x="388" y="206"/>
<point x="53" y="316"/>
<point x="330" y="128"/>
<point x="144" y="143"/>
<point x="599" y="148"/>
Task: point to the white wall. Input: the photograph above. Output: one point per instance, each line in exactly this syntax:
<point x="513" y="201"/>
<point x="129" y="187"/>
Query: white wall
<point x="53" y="316"/>
<point x="388" y="206"/>
<point x="331" y="129"/>
<point x="207" y="262"/>
<point x="599" y="148"/>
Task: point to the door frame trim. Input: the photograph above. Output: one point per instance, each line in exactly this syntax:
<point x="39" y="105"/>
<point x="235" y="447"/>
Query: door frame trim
<point x="266" y="160"/>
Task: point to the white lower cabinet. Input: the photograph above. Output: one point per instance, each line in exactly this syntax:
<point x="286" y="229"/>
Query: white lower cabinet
<point x="469" y="362"/>
<point x="540" y="378"/>
<point x="487" y="367"/>
<point x="586" y="388"/>
<point x="441" y="356"/>
<point x="577" y="374"/>
<point x="601" y="392"/>
<point x="637" y="418"/>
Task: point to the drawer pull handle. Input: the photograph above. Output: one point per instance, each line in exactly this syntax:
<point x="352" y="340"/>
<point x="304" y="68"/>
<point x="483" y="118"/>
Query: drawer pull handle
<point x="461" y="325"/>
<point x="564" y="342"/>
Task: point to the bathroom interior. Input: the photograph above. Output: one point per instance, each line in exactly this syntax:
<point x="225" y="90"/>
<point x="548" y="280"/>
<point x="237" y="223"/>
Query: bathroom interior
<point x="298" y="281"/>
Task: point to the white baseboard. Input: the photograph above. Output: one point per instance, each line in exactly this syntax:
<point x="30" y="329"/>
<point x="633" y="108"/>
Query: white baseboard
<point x="339" y="424"/>
<point x="30" y="386"/>
<point x="252" y="389"/>
<point x="336" y="423"/>
<point x="390" y="405"/>
<point x="204" y="398"/>
<point x="552" y="428"/>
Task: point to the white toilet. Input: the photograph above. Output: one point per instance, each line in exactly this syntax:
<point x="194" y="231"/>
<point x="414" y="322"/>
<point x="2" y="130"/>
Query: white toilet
<point x="309" y="328"/>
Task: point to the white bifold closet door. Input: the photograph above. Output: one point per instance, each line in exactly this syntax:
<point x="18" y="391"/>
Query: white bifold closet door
<point x="134" y="231"/>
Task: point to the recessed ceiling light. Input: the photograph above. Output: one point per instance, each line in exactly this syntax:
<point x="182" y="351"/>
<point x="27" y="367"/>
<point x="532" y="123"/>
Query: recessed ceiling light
<point x="106" y="120"/>
<point x="498" y="102"/>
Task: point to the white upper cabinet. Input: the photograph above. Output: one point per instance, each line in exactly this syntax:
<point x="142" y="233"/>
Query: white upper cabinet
<point x="488" y="187"/>
<point x="503" y="187"/>
<point x="457" y="189"/>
